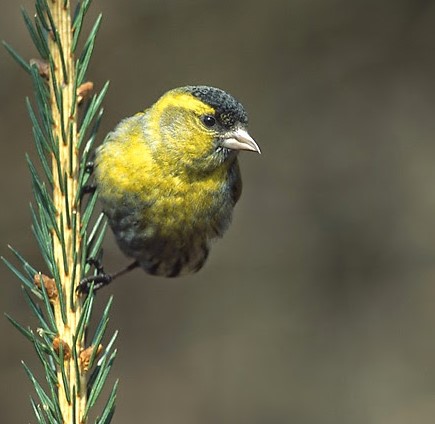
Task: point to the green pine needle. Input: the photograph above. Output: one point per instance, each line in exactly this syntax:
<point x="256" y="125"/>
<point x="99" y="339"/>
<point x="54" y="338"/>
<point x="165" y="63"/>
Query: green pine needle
<point x="93" y="109"/>
<point x="17" y="57"/>
<point x="40" y="7"/>
<point x="43" y="397"/>
<point x="109" y="408"/>
<point x="26" y="332"/>
<point x="37" y="312"/>
<point x="87" y="50"/>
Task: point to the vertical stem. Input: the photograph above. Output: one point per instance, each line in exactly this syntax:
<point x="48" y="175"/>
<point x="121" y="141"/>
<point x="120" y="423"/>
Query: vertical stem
<point x="65" y="176"/>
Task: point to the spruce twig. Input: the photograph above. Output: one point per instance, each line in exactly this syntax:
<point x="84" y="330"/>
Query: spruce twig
<point x="62" y="225"/>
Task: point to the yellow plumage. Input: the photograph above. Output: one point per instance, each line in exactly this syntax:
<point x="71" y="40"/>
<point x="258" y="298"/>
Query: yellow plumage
<point x="169" y="178"/>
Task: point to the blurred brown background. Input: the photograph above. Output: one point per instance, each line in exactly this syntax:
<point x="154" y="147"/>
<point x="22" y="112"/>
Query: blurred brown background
<point x="319" y="304"/>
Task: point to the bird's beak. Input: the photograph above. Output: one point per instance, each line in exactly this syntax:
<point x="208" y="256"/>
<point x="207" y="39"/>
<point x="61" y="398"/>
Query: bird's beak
<point x="239" y="139"/>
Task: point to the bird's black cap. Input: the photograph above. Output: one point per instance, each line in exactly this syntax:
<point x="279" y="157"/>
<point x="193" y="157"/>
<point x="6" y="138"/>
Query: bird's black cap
<point x="229" y="111"/>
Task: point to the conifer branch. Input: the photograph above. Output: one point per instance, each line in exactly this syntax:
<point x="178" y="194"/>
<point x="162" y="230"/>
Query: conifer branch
<point x="62" y="222"/>
<point x="63" y="107"/>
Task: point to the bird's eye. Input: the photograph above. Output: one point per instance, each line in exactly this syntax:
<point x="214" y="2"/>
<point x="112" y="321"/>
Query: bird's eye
<point x="208" y="120"/>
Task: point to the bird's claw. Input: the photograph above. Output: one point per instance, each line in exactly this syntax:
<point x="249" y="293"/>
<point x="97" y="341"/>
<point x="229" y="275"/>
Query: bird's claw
<point x="94" y="282"/>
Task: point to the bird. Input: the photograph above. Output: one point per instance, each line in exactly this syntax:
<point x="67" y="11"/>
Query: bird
<point x="168" y="179"/>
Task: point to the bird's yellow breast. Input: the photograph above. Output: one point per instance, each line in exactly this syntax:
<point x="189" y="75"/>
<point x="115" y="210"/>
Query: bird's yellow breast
<point x="128" y="172"/>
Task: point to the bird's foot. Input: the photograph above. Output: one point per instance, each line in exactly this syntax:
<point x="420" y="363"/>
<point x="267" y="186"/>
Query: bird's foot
<point x="102" y="279"/>
<point x="96" y="282"/>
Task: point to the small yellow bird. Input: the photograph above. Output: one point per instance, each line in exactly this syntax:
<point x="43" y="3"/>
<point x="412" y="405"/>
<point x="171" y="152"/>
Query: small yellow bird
<point x="169" y="178"/>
